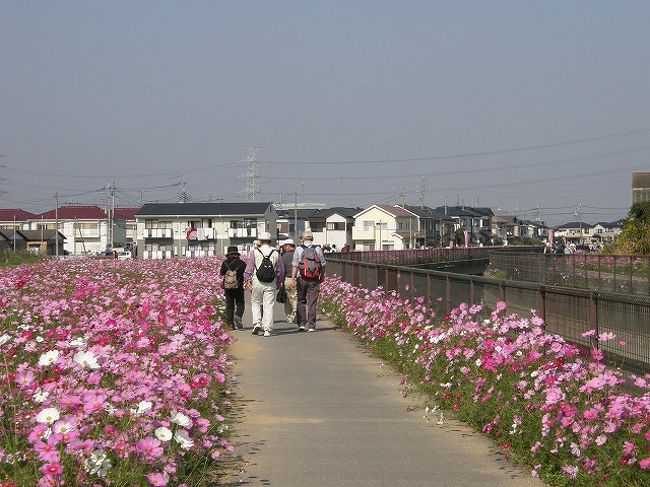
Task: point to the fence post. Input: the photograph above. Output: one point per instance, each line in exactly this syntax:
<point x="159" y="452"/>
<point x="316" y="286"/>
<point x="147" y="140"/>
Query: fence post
<point x="355" y="273"/>
<point x="471" y="291"/>
<point x="542" y="302"/>
<point x="429" y="286"/>
<point x="593" y="316"/>
<point x="631" y="280"/>
<point x="448" y="292"/>
<point x="412" y="283"/>
<point x="386" y="278"/>
<point x="344" y="270"/>
<point x="502" y="291"/>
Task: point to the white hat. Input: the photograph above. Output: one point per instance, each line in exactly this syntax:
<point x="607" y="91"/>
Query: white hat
<point x="289" y="241"/>
<point x="264" y="237"/>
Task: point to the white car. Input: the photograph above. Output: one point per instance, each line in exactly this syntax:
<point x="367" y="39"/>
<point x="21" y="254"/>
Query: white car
<point x="124" y="255"/>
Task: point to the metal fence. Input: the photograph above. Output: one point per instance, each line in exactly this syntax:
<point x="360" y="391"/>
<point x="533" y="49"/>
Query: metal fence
<point x="567" y="311"/>
<point x="612" y="273"/>
<point x="428" y="256"/>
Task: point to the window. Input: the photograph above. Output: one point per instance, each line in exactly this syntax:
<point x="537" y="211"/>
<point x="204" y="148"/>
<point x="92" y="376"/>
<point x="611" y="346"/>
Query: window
<point x="336" y="226"/>
<point x="243" y="223"/>
<point x="317" y="226"/>
<point x="368" y="225"/>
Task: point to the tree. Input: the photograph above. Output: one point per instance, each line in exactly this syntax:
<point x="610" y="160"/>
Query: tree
<point x="635" y="237"/>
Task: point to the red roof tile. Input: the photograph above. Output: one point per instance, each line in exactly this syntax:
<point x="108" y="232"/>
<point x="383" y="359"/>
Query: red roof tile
<point x="78" y="212"/>
<point x="126" y="213"/>
<point x="7" y="214"/>
<point x="396" y="211"/>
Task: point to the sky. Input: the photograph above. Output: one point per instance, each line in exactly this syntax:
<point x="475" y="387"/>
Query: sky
<point x="539" y="109"/>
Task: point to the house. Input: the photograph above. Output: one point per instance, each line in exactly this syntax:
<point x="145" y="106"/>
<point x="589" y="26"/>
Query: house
<point x="20" y="241"/>
<point x="288" y="218"/>
<point x="579" y="233"/>
<point x="43" y="241"/>
<point x="126" y="217"/>
<point x="477" y="221"/>
<point x="333" y="226"/>
<point x="167" y="230"/>
<point x="434" y="229"/>
<point x="606" y="232"/>
<point x="384" y="227"/>
<point x="11" y="218"/>
<point x="533" y="229"/>
<point x="86" y="228"/>
<point x="6" y="243"/>
<point x="504" y="228"/>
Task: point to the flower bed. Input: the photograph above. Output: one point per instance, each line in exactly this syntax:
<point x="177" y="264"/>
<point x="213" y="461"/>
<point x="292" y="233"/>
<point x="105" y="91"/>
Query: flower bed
<point x="548" y="404"/>
<point x="112" y="373"/>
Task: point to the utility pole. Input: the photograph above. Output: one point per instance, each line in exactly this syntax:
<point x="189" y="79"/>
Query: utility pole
<point x="14" y="233"/>
<point x="56" y="227"/>
<point x="184" y="197"/>
<point x="578" y="214"/>
<point x="250" y="158"/>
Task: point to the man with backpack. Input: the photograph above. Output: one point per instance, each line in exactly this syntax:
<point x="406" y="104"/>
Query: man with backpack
<point x="264" y="275"/>
<point x="232" y="270"/>
<point x="308" y="267"/>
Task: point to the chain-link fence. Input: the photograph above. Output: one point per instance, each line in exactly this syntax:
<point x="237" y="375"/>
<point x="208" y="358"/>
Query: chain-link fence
<point x="611" y="273"/>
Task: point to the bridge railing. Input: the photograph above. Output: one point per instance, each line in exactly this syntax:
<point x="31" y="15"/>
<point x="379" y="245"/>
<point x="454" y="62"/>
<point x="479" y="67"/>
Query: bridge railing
<point x="612" y="273"/>
<point x="567" y="311"/>
<point x="427" y="256"/>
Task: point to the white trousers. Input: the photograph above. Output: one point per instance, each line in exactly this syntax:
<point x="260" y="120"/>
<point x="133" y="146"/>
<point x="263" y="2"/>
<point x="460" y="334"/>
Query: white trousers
<point x="262" y="301"/>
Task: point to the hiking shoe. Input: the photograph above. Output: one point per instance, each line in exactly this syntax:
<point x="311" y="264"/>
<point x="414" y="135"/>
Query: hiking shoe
<point x="267" y="333"/>
<point x="256" y="329"/>
<point x="301" y="328"/>
<point x="238" y="322"/>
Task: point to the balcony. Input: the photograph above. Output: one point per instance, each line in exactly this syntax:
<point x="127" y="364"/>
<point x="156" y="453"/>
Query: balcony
<point x="157" y="233"/>
<point x="157" y="254"/>
<point x="242" y="232"/>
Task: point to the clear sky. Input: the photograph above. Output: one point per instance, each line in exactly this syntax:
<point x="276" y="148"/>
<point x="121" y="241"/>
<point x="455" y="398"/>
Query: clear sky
<point x="146" y="93"/>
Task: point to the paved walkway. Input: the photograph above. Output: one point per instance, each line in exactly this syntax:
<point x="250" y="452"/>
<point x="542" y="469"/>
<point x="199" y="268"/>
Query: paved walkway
<point x="317" y="410"/>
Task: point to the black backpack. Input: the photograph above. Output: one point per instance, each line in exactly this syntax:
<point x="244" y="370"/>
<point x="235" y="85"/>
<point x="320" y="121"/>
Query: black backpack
<point x="266" y="271"/>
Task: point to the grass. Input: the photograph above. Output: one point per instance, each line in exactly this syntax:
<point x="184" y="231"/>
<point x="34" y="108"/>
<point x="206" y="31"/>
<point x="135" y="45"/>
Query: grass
<point x="9" y="258"/>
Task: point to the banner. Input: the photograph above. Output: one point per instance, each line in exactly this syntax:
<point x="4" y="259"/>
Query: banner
<point x="466" y="233"/>
<point x="551" y="234"/>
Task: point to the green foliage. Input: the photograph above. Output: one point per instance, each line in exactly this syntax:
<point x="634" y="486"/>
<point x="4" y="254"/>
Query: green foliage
<point x="635" y="237"/>
<point x="9" y="258"/>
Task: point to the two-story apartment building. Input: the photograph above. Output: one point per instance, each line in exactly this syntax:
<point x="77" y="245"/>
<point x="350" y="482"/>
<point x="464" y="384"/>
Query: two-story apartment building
<point x="579" y="233"/>
<point x="434" y="229"/>
<point x="166" y="230"/>
<point x="384" y="227"/>
<point x="126" y="217"/>
<point x="606" y="232"/>
<point x="17" y="218"/>
<point x="86" y="228"/>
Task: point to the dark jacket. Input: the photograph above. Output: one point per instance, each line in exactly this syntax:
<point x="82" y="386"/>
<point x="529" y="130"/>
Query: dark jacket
<point x="234" y="264"/>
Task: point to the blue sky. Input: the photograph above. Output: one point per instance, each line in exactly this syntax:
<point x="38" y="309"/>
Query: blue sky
<point x="149" y="93"/>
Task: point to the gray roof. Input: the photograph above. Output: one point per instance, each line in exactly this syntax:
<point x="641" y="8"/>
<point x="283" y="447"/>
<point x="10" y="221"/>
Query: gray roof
<point x="203" y="209"/>
<point x="464" y="211"/>
<point x="302" y="213"/>
<point x="35" y="235"/>
<point x="343" y="211"/>
<point x="641" y="180"/>
<point x="575" y="225"/>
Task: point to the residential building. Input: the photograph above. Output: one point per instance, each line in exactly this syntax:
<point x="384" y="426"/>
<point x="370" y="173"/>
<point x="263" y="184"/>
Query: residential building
<point x="477" y="221"/>
<point x="126" y="217"/>
<point x="6" y="243"/>
<point x="11" y="218"/>
<point x="434" y="229"/>
<point x="86" y="228"/>
<point x="579" y="233"/>
<point x="640" y="187"/>
<point x="504" y="228"/>
<point x="167" y="230"/>
<point x="42" y="241"/>
<point x="533" y="229"/>
<point x="384" y="227"/>
<point x="287" y="219"/>
<point x="607" y="232"/>
<point x="333" y="226"/>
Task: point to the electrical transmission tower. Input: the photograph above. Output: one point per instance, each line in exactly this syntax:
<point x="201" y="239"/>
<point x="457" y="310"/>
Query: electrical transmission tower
<point x="252" y="189"/>
<point x="422" y="190"/>
<point x="184" y="196"/>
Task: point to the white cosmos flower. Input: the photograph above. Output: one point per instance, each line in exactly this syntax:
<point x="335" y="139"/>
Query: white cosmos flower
<point x="40" y="396"/>
<point x="39" y="339"/>
<point x="98" y="463"/>
<point x="78" y="342"/>
<point x="183" y="439"/>
<point x="48" y="416"/>
<point x="4" y="339"/>
<point x="180" y="419"/>
<point x="163" y="434"/>
<point x="48" y="358"/>
<point x="143" y="406"/>
<point x="87" y="360"/>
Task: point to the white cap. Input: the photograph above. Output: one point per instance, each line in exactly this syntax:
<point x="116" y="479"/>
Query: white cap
<point x="289" y="241"/>
<point x="264" y="237"/>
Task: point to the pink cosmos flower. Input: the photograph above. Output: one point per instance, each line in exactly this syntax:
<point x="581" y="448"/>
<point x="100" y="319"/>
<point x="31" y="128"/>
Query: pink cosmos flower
<point x="52" y="469"/>
<point x="589" y="333"/>
<point x="645" y="463"/>
<point x="158" y="479"/>
<point x="149" y="448"/>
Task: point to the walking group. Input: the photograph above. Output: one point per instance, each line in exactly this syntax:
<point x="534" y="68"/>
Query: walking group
<point x="291" y="275"/>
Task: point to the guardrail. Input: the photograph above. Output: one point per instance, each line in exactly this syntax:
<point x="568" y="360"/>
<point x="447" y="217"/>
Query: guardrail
<point x="612" y="273"/>
<point x="567" y="311"/>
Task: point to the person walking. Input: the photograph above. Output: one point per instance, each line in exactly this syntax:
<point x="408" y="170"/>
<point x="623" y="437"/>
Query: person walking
<point x="308" y="270"/>
<point x="288" y="249"/>
<point x="264" y="274"/>
<point x="232" y="270"/>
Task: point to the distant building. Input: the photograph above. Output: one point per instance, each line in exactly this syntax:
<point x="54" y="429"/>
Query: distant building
<point x="384" y="227"/>
<point x="166" y="230"/>
<point x="15" y="217"/>
<point x="333" y="226"/>
<point x="640" y="187"/>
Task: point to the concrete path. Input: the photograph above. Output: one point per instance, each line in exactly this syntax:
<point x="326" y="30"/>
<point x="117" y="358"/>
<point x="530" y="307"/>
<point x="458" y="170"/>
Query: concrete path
<point x="317" y="410"/>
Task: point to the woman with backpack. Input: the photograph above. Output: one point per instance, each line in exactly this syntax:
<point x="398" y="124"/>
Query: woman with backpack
<point x="308" y="267"/>
<point x="232" y="270"/>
